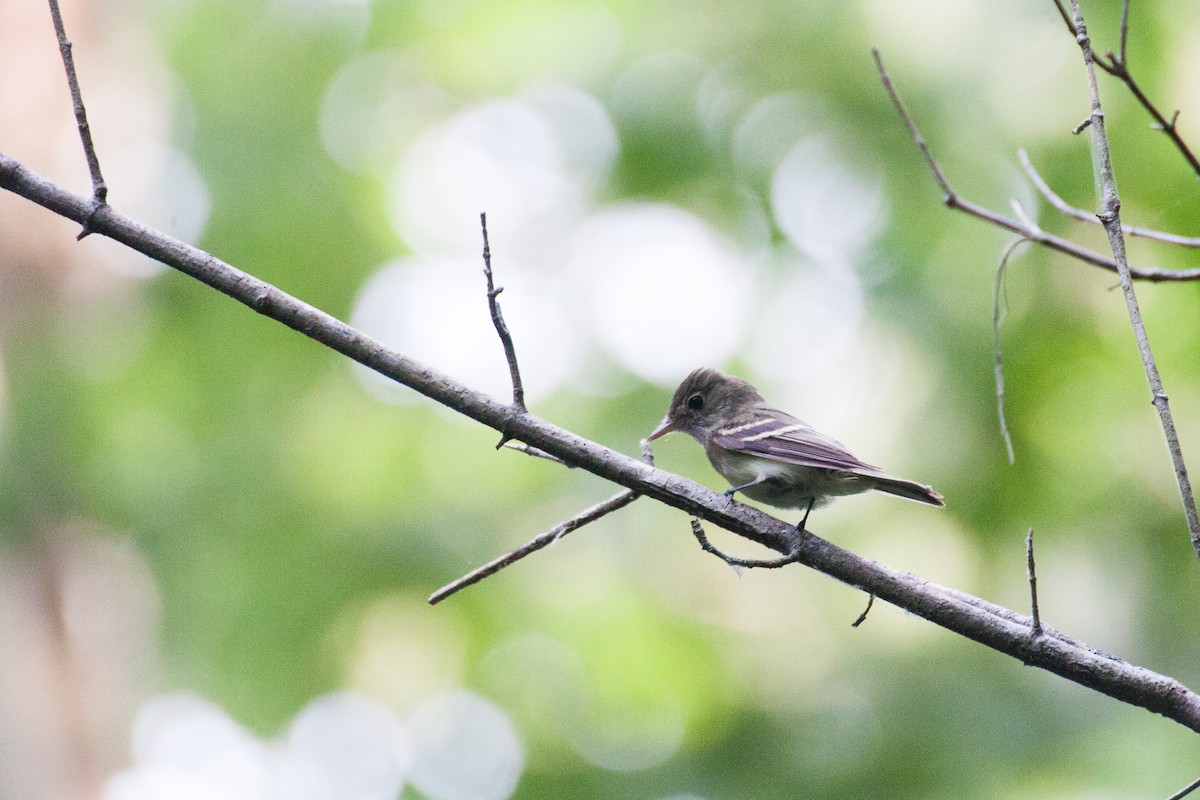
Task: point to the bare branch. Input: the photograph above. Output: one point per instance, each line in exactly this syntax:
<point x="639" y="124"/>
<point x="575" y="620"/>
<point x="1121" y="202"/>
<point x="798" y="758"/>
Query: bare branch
<point x="998" y="364"/>
<point x="913" y="131"/>
<point x="741" y="563"/>
<point x="1035" y="627"/>
<point x="1124" y="28"/>
<point x="99" y="188"/>
<point x="617" y="501"/>
<point x="1062" y="12"/>
<point x="1031" y="233"/>
<point x="1110" y="216"/>
<point x="510" y="350"/>
<point x="529" y="450"/>
<point x="1120" y="70"/>
<point x="994" y="626"/>
<point x="1118" y="67"/>
<point x="1086" y="216"/>
<point x="1185" y="791"/>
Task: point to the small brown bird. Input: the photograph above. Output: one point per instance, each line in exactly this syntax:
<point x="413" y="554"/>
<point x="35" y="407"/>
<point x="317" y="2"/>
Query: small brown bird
<point x="769" y="455"/>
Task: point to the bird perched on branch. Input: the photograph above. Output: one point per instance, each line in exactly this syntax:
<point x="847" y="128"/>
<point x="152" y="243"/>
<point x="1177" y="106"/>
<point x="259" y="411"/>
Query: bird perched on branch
<point x="769" y="455"/>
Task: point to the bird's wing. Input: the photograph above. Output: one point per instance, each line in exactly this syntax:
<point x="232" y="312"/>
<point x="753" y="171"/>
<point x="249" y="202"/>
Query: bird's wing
<point x="785" y="438"/>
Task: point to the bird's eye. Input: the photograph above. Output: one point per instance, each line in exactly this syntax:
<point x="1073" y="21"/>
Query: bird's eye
<point x="696" y="402"/>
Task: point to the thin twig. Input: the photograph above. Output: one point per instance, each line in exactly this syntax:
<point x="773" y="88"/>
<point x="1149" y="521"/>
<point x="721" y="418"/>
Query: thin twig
<point x="1120" y="71"/>
<point x="863" y="616"/>
<point x="1124" y="28"/>
<point x="617" y="501"/>
<point x="614" y="503"/>
<point x="913" y="131"/>
<point x="742" y="563"/>
<point x="1062" y="12"/>
<point x="1185" y="791"/>
<point x="1033" y="234"/>
<point x="994" y="626"/>
<point x="99" y="188"/>
<point x="998" y="364"/>
<point x="530" y="450"/>
<point x="1031" y="571"/>
<point x="1118" y="67"/>
<point x="1086" y="216"/>
<point x="510" y="351"/>
<point x="1110" y="216"/>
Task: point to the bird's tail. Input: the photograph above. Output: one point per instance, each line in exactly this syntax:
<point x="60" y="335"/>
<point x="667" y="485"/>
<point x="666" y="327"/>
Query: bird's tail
<point x="909" y="489"/>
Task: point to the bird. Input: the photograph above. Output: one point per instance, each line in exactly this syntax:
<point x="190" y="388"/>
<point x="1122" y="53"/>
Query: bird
<point x="769" y="455"/>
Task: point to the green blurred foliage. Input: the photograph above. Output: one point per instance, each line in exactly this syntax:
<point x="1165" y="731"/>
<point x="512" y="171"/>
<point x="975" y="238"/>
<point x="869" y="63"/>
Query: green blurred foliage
<point x="277" y="502"/>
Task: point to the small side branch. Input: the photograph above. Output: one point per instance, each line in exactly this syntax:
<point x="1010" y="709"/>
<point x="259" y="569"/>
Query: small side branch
<point x="863" y="616"/>
<point x="1031" y="570"/>
<point x="998" y="363"/>
<point x="99" y="188"/>
<point x="1025" y="230"/>
<point x="1118" y="66"/>
<point x="510" y="351"/>
<point x="530" y="450"/>
<point x="617" y="501"/>
<point x="742" y="563"/>
<point x="1086" y="216"/>
<point x="1110" y="216"/>
<point x="913" y="131"/>
<point x="614" y="503"/>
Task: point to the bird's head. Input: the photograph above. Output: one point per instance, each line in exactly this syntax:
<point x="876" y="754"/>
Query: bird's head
<point x="705" y="399"/>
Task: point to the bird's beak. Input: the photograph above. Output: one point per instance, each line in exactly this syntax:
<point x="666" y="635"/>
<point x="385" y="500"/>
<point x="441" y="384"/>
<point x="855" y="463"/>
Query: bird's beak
<point x="664" y="427"/>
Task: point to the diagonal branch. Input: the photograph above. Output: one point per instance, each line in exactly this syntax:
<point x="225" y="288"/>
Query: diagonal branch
<point x="617" y="501"/>
<point x="1025" y="230"/>
<point x="993" y="626"/>
<point x="1185" y="791"/>
<point x="1118" y="67"/>
<point x="1110" y="216"/>
<point x="1086" y="216"/>
<point x="99" y="188"/>
<point x="585" y="517"/>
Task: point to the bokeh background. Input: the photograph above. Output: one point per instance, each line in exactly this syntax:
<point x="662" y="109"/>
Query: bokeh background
<point x="216" y="537"/>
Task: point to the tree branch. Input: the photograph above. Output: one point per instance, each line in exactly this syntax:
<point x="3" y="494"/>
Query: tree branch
<point x="1035" y="627"/>
<point x="1185" y="791"/>
<point x="506" y="341"/>
<point x="617" y="501"/>
<point x="1030" y="232"/>
<point x="1118" y="67"/>
<point x="99" y="188"/>
<point x="993" y="626"/>
<point x="1110" y="216"/>
<point x="1086" y="216"/>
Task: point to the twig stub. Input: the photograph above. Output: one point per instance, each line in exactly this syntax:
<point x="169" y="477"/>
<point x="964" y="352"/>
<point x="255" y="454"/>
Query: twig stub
<point x="863" y="616"/>
<point x="1035" y="629"/>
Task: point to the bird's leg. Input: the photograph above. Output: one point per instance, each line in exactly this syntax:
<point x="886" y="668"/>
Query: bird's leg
<point x="800" y="529"/>
<point x="732" y="490"/>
